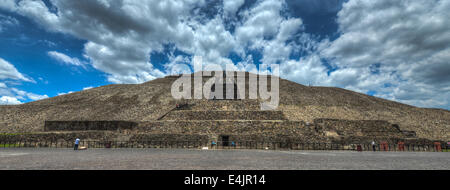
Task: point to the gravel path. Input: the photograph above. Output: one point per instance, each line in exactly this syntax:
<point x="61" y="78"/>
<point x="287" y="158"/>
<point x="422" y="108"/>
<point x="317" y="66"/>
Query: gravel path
<point x="218" y="159"/>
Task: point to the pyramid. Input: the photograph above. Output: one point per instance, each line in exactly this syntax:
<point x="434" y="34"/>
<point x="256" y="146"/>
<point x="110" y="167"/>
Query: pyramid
<point x="148" y="112"/>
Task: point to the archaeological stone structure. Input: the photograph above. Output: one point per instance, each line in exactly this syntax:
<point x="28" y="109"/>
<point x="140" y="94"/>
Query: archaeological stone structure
<point x="148" y="112"/>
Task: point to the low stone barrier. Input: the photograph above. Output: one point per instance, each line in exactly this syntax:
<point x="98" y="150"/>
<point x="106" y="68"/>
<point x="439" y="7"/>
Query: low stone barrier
<point x="224" y="115"/>
<point x="169" y="137"/>
<point x="361" y="128"/>
<point x="52" y="136"/>
<point x="88" y="125"/>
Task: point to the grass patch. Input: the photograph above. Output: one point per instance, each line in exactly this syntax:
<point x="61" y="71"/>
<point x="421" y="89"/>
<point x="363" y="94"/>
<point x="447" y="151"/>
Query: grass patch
<point x="8" y="145"/>
<point x="13" y="134"/>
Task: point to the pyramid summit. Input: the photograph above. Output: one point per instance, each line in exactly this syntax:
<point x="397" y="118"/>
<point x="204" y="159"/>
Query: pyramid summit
<point x="149" y="112"/>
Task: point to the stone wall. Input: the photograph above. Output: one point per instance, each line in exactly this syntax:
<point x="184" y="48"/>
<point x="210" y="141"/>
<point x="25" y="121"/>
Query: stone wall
<point x="263" y="130"/>
<point x="224" y="115"/>
<point x="237" y="105"/>
<point x="56" y="136"/>
<point x="356" y="130"/>
<point x="88" y="125"/>
<point x="170" y="137"/>
<point x="321" y="131"/>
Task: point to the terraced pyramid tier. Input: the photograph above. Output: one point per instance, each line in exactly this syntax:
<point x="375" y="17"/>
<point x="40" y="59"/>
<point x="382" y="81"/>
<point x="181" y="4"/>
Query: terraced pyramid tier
<point x="105" y="108"/>
<point x="230" y="105"/>
<point x="267" y="130"/>
<point x="224" y="115"/>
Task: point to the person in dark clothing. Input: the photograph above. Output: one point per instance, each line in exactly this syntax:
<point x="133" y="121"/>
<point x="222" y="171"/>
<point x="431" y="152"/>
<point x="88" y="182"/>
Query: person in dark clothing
<point x="373" y="146"/>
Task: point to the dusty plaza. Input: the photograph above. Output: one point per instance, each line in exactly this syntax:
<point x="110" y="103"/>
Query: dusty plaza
<point x="189" y="159"/>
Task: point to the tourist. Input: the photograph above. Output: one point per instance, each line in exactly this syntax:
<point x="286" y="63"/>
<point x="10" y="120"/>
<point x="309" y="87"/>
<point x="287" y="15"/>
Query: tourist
<point x="373" y="146"/>
<point x="77" y="142"/>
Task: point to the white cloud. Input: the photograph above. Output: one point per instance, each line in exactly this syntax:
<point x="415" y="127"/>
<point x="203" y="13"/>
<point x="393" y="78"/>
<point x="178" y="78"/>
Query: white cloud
<point x="62" y="58"/>
<point x="277" y="49"/>
<point x="35" y="97"/>
<point x="11" y="95"/>
<point x="8" y="5"/>
<point x="230" y="7"/>
<point x="260" y="21"/>
<point x="308" y="70"/>
<point x="390" y="33"/>
<point x="8" y="71"/>
<point x="122" y="34"/>
<point x="408" y="40"/>
<point x="6" y="100"/>
<point x="400" y="49"/>
<point x="64" y="93"/>
<point x="23" y="95"/>
<point x="70" y="92"/>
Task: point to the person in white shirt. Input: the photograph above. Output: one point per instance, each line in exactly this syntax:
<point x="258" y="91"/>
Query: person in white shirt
<point x="373" y="146"/>
<point x="77" y="142"/>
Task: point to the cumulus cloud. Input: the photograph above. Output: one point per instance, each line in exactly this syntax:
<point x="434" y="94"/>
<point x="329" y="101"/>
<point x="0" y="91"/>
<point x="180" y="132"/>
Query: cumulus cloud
<point x="261" y="21"/>
<point x="277" y="50"/>
<point x="230" y="7"/>
<point x="308" y="70"/>
<point x="408" y="40"/>
<point x="397" y="49"/>
<point x="122" y="34"/>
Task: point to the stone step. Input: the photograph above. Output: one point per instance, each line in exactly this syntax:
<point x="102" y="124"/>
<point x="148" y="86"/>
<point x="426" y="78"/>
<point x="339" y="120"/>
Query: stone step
<point x="88" y="125"/>
<point x="223" y="105"/>
<point x="238" y="130"/>
<point x="223" y="126"/>
<point x="224" y="115"/>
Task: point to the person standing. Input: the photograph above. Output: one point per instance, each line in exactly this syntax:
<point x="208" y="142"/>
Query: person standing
<point x="373" y="146"/>
<point x="77" y="142"/>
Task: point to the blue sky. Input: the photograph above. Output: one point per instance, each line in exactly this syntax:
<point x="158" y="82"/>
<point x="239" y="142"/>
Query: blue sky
<point x="394" y="50"/>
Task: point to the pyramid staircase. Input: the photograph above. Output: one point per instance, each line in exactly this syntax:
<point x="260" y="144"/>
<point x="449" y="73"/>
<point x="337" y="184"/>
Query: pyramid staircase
<point x="236" y="120"/>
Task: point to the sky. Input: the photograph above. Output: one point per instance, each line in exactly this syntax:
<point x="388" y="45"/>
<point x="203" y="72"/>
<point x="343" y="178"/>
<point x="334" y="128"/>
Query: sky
<point x="396" y="50"/>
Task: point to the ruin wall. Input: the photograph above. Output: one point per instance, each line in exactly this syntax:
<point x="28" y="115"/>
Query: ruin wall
<point x="88" y="125"/>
